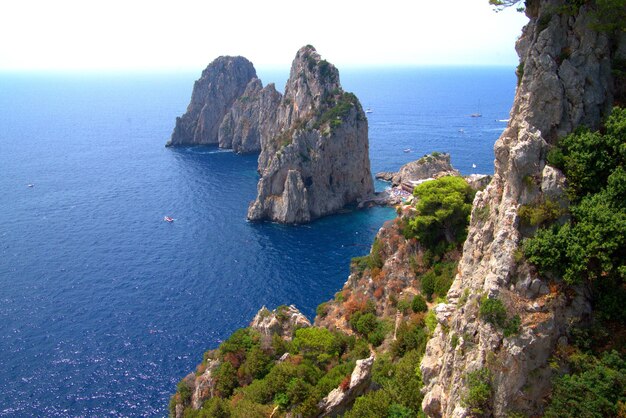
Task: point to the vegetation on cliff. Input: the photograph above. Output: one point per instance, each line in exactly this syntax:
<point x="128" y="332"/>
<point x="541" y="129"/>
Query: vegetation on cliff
<point x="590" y="250"/>
<point x="253" y="374"/>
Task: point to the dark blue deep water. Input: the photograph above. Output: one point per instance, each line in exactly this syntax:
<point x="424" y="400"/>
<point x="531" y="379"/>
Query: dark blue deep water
<point x="103" y="305"/>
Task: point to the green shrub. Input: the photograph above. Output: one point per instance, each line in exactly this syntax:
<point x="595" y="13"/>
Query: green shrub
<point x="431" y="321"/>
<point x="216" y="408"/>
<point x="372" y="260"/>
<point x="512" y="326"/>
<point x="322" y="309"/>
<point x="493" y="311"/>
<point x="240" y="341"/>
<point x="404" y="305"/>
<point x="256" y="365"/>
<point x="438" y="279"/>
<point x="184" y="391"/>
<point x="588" y="158"/>
<point x="443" y="207"/>
<point x="540" y="213"/>
<point x="226" y="379"/>
<point x="400" y="411"/>
<point x="409" y="336"/>
<point x="593" y="390"/>
<point x="419" y="304"/>
<point x="454" y="340"/>
<point x="519" y="72"/>
<point x="478" y="391"/>
<point x="372" y="405"/>
<point x="366" y="323"/>
<point x="315" y="343"/>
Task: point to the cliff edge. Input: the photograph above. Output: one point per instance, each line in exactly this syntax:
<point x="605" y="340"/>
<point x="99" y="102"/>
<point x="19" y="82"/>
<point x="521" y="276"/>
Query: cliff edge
<point x="565" y="82"/>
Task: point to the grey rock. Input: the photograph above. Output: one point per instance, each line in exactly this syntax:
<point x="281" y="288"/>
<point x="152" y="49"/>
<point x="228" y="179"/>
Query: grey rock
<point x="557" y="93"/>
<point x="282" y="321"/>
<point x="339" y="400"/>
<point x="429" y="166"/>
<point x="311" y="166"/>
<point x="252" y="116"/>
<point x="214" y="93"/>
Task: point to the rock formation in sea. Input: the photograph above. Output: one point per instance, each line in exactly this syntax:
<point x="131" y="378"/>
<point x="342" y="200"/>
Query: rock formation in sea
<point x="565" y="82"/>
<point x="429" y="166"/>
<point x="223" y="82"/>
<point x="317" y="160"/>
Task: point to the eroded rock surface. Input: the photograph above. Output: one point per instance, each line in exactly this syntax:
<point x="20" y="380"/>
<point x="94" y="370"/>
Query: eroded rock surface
<point x="214" y="93"/>
<point x="316" y="159"/>
<point x="339" y="400"/>
<point x="429" y="166"/>
<point x="566" y="82"/>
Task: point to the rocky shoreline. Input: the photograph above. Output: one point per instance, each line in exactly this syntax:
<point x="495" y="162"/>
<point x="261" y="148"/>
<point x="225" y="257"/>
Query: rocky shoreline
<point x="429" y="167"/>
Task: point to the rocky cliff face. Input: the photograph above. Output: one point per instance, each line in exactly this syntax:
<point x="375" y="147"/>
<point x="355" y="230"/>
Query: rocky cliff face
<point x="315" y="157"/>
<point x="565" y="82"/>
<point x="214" y="93"/>
<point x="252" y="117"/>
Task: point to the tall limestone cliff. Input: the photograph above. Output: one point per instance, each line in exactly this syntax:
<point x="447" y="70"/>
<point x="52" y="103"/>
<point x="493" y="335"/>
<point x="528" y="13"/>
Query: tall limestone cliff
<point x="214" y="93"/>
<point x="315" y="159"/>
<point x="566" y="82"/>
<point x="252" y="117"/>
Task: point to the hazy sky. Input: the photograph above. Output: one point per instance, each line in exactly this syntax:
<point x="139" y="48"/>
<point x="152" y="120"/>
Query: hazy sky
<point x="188" y="34"/>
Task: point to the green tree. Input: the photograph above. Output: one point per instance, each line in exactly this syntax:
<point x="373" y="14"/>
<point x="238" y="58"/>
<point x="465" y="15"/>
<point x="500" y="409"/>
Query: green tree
<point x="594" y="390"/>
<point x="443" y="208"/>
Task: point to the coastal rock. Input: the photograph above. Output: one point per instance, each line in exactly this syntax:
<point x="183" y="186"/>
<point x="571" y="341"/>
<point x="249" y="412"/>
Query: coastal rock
<point x="283" y="321"/>
<point x="214" y="93"/>
<point x="239" y="129"/>
<point x="565" y="82"/>
<point x="314" y="158"/>
<point x="252" y="116"/>
<point x="429" y="166"/>
<point x="340" y="399"/>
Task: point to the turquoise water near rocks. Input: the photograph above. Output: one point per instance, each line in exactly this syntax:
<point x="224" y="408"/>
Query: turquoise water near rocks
<point x="103" y="305"/>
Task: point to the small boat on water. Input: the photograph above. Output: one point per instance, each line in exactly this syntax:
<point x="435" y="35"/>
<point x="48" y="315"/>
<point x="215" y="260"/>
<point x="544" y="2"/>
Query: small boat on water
<point x="407" y="150"/>
<point x="30" y="185"/>
<point x="168" y="219"/>
<point x="473" y="165"/>
<point x="476" y="115"/>
<point x="368" y="110"/>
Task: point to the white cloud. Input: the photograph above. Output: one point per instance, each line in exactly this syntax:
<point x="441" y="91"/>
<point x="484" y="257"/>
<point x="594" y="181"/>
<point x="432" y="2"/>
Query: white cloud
<point x="187" y="34"/>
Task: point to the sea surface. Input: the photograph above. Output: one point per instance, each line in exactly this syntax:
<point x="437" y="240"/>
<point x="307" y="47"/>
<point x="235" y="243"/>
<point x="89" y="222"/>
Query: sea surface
<point x="104" y="307"/>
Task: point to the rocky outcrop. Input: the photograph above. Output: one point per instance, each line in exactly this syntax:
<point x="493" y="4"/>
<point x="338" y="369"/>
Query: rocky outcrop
<point x="393" y="279"/>
<point x="429" y="166"/>
<point x="338" y="401"/>
<point x="565" y="82"/>
<point x="283" y="321"/>
<point x="214" y="93"/>
<point x="315" y="158"/>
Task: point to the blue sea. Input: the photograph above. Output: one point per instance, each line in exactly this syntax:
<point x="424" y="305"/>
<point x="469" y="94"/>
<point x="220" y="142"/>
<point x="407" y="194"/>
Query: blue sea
<point x="104" y="307"/>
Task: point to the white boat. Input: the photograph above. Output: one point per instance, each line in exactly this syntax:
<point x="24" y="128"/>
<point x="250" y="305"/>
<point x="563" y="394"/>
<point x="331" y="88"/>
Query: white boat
<point x="168" y="219"/>
<point x="368" y="110"/>
<point x="407" y="150"/>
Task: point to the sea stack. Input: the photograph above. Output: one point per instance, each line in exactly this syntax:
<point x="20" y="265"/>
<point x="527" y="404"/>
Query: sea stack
<point x="223" y="82"/>
<point x="317" y="159"/>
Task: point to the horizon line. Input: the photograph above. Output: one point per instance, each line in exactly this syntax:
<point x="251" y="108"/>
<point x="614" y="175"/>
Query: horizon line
<point x="170" y="70"/>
